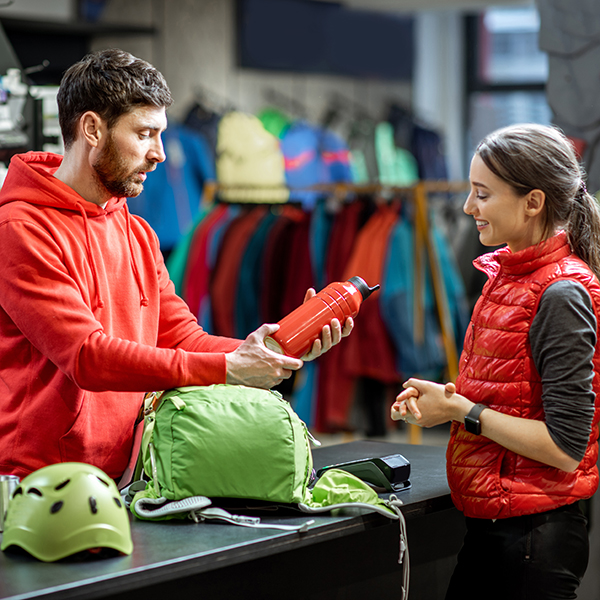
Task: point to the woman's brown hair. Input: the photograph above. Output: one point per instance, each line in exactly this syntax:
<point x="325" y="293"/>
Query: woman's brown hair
<point x="532" y="156"/>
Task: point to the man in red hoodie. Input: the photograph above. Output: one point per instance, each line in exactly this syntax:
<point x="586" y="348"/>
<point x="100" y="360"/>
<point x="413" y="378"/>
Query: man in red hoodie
<point x="89" y="319"/>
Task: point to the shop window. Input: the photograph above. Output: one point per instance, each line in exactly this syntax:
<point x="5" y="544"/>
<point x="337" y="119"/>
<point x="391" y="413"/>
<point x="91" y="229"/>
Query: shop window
<point x="506" y="71"/>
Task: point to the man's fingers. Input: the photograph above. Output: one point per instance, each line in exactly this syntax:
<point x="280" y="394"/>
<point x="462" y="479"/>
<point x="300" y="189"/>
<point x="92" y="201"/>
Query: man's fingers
<point x="336" y="332"/>
<point x="265" y="329"/>
<point x="348" y="326"/>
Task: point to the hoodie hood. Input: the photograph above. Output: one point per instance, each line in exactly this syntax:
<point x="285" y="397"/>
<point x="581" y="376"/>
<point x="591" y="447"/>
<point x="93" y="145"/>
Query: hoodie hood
<point x="30" y="179"/>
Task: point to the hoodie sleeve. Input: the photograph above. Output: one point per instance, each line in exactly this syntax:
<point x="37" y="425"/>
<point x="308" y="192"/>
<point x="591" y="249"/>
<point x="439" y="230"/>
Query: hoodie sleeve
<point x="41" y="303"/>
<point x="186" y="355"/>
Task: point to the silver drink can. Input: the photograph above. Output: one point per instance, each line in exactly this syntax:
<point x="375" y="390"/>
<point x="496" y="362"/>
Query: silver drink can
<point x="8" y="484"/>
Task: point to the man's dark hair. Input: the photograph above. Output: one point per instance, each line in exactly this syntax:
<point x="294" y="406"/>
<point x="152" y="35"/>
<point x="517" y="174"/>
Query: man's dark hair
<point x="111" y="83"/>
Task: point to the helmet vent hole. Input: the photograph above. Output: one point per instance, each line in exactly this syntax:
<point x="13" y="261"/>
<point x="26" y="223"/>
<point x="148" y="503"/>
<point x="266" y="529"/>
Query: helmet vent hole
<point x="35" y="491"/>
<point x="93" y="505"/>
<point x="104" y="482"/>
<point x="19" y="490"/>
<point x="56" y="507"/>
<point x="117" y="502"/>
<point x="60" y="486"/>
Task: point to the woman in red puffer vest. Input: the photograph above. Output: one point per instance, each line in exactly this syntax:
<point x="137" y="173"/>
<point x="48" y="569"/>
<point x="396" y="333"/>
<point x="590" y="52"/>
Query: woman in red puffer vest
<point x="526" y="404"/>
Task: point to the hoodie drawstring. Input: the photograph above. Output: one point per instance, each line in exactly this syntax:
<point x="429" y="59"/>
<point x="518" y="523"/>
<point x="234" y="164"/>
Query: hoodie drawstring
<point x="86" y="228"/>
<point x="144" y="299"/>
<point x="100" y="302"/>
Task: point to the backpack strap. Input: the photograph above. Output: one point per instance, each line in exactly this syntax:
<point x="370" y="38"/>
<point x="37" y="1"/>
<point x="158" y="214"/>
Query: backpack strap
<point x="141" y="437"/>
<point x="213" y="512"/>
<point x="153" y="508"/>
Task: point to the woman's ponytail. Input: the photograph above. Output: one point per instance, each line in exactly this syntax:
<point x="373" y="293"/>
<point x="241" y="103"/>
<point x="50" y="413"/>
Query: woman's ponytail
<point x="583" y="228"/>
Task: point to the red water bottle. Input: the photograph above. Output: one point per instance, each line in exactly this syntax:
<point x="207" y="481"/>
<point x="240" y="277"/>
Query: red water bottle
<point x="298" y="330"/>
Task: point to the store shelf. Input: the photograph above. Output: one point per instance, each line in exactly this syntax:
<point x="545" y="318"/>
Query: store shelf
<point x="73" y="28"/>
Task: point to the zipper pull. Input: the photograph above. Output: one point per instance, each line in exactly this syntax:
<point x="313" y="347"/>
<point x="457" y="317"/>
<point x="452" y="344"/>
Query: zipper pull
<point x="311" y="437"/>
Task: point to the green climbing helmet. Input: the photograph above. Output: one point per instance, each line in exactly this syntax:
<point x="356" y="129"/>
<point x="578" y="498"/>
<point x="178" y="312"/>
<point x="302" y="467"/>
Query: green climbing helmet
<point x="66" y="508"/>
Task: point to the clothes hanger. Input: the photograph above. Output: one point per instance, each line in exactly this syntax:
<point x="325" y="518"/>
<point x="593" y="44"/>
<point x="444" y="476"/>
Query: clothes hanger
<point x="289" y="105"/>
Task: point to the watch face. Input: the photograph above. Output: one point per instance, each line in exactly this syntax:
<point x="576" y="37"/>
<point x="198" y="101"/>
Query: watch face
<point x="472" y="425"/>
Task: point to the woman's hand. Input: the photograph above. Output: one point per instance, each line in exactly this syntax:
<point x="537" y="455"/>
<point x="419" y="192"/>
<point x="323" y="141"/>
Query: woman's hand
<point x="401" y="411"/>
<point x="429" y="404"/>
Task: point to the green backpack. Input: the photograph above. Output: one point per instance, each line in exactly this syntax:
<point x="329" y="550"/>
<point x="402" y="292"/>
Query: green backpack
<point x="227" y="441"/>
<point x="235" y="442"/>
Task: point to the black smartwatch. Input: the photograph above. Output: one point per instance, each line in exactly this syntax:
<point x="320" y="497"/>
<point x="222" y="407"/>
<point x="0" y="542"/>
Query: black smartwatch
<point x="472" y="422"/>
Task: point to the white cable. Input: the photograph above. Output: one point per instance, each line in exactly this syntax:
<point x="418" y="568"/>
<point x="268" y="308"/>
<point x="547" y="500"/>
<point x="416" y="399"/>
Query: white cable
<point x="404" y="557"/>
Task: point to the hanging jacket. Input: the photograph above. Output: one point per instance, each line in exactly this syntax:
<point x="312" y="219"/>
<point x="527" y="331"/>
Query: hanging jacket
<point x="423" y="358"/>
<point x="247" y="316"/>
<point x="250" y="164"/>
<point x="89" y="320"/>
<point x="370" y="353"/>
<point x="276" y="263"/>
<point x="299" y="275"/>
<point x="497" y="369"/>
<point x="224" y="282"/>
<point x="313" y="155"/>
<point x="333" y="381"/>
<point x="214" y="241"/>
<point x="196" y="271"/>
<point x="177" y="259"/>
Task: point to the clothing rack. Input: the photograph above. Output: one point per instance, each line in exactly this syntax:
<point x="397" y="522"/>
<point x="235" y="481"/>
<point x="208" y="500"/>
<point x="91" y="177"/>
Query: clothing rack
<point x="343" y="189"/>
<point x="424" y="251"/>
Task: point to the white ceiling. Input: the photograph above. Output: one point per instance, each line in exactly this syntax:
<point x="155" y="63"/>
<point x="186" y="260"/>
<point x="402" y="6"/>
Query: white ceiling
<point x="424" y="5"/>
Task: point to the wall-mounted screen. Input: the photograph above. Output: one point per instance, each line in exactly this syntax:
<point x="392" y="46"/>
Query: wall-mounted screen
<point x="321" y="37"/>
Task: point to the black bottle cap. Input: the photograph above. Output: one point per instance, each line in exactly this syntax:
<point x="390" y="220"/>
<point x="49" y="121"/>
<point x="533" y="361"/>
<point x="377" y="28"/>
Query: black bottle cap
<point x="361" y="285"/>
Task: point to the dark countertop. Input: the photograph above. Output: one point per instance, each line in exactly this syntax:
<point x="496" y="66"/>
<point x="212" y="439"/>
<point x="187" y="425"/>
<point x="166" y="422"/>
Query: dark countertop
<point x="167" y="551"/>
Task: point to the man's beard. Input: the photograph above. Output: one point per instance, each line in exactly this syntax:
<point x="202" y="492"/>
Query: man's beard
<point x="113" y="174"/>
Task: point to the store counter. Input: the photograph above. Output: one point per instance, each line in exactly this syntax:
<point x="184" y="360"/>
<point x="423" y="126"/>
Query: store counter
<point x="351" y="556"/>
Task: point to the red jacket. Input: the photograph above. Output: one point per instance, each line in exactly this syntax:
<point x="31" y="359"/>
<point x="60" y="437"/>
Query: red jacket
<point x="496" y="369"/>
<point x="89" y="320"/>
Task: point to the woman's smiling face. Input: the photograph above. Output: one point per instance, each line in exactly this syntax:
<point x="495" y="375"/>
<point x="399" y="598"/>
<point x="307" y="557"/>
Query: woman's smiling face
<point x="501" y="216"/>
